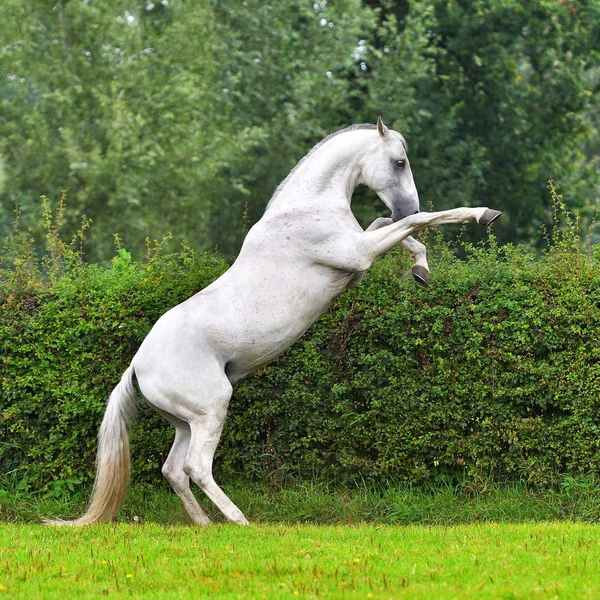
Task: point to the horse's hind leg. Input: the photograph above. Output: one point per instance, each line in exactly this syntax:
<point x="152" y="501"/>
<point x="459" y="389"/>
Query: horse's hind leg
<point x="196" y="402"/>
<point x="206" y="432"/>
<point x="176" y="476"/>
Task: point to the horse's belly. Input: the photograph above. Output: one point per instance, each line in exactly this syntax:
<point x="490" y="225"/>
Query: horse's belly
<point x="248" y="359"/>
<point x="258" y="344"/>
<point x="267" y="329"/>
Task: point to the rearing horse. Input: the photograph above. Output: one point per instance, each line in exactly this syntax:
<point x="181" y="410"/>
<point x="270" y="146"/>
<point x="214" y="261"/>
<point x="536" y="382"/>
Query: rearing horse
<point x="305" y="250"/>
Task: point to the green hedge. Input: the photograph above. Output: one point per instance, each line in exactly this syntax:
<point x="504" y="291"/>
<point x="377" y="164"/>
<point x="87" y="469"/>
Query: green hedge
<point x="493" y="370"/>
<point x="67" y="332"/>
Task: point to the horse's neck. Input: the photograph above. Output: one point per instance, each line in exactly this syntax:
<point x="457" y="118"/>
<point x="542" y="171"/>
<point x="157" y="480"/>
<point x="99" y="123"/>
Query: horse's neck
<point x="326" y="178"/>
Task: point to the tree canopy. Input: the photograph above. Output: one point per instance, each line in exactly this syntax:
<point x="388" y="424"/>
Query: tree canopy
<point x="180" y="117"/>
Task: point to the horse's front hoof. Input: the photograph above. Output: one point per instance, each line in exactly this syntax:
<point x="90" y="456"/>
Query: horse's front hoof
<point x="421" y="275"/>
<point x="488" y="217"/>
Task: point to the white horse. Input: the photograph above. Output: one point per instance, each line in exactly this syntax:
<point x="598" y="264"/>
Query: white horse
<point x="305" y="250"/>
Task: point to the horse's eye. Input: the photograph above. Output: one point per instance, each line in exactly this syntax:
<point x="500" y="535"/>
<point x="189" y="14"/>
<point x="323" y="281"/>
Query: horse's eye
<point x="400" y="163"/>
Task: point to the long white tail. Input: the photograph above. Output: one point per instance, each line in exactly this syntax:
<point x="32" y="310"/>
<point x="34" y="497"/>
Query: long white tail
<point x="113" y="468"/>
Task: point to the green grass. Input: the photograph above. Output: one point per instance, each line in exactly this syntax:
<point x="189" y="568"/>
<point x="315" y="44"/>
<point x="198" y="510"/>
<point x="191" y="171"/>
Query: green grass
<point x="527" y="560"/>
<point x="322" y="504"/>
<point x="311" y="540"/>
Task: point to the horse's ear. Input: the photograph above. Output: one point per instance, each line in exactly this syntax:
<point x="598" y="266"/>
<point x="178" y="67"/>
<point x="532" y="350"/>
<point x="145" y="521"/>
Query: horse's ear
<point x="381" y="128"/>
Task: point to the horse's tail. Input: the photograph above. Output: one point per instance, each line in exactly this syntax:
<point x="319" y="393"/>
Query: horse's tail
<point x="113" y="468"/>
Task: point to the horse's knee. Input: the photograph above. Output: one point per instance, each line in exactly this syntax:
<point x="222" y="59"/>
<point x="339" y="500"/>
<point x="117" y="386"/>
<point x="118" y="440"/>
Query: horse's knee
<point x="418" y="249"/>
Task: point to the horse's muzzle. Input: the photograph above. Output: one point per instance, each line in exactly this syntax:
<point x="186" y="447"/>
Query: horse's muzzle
<point x="398" y="216"/>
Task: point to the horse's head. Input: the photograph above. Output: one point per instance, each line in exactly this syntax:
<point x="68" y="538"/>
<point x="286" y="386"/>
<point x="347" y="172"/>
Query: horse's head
<point x="386" y="170"/>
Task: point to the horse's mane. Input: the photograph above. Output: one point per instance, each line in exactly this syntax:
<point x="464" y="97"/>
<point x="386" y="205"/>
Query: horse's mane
<point x="313" y="150"/>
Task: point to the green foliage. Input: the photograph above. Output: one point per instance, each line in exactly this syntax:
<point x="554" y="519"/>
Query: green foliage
<point x="495" y="98"/>
<point x="489" y="374"/>
<point x="66" y="333"/>
<point x="173" y="117"/>
<point x="165" y="117"/>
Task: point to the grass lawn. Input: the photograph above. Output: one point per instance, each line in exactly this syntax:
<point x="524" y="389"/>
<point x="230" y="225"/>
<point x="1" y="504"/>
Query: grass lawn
<point x="482" y="560"/>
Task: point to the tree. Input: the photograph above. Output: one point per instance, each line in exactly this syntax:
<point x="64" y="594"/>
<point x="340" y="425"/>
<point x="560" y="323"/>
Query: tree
<point x="167" y="117"/>
<point x="493" y="97"/>
<point x="179" y="117"/>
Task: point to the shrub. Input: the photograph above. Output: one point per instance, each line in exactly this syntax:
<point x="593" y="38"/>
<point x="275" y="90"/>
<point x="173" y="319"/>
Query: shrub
<point x="493" y="370"/>
<point x="67" y="331"/>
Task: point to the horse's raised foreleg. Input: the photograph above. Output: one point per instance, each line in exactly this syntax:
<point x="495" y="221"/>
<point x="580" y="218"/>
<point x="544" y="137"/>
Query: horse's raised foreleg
<point x="374" y="243"/>
<point x="376" y="224"/>
<point x="417" y="250"/>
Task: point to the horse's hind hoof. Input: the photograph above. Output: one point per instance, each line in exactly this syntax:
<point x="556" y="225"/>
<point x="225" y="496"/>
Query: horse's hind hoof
<point x="488" y="217"/>
<point x="421" y="275"/>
